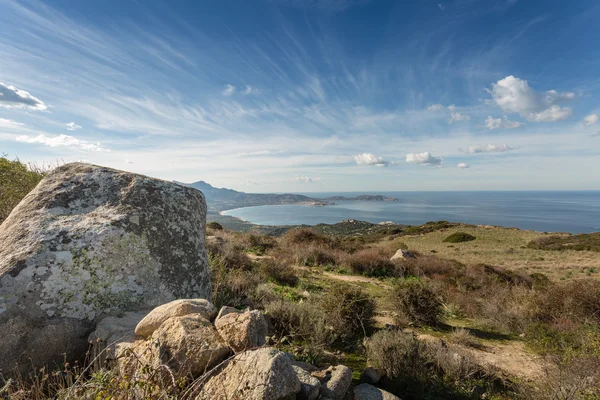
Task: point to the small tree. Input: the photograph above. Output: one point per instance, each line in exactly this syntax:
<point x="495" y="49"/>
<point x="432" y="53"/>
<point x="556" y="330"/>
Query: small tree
<point x="16" y="180"/>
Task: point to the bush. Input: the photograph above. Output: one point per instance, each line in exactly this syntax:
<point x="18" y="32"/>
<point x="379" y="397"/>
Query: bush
<point x="581" y="242"/>
<point x="215" y="226"/>
<point x="370" y="262"/>
<point x="416" y="302"/>
<point x="278" y="272"/>
<point x="305" y="236"/>
<point x="417" y="369"/>
<point x="16" y="181"/>
<point x="577" y="300"/>
<point x="349" y="311"/>
<point x="458" y="237"/>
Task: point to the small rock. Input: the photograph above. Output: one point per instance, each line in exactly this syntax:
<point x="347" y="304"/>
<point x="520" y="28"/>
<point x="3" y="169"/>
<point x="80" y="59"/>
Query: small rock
<point x="116" y="333"/>
<point x="175" y="308"/>
<point x="227" y="310"/>
<point x="370" y="375"/>
<point x="188" y="344"/>
<point x="261" y="374"/>
<point x="242" y="331"/>
<point x="336" y="382"/>
<point x="402" y="254"/>
<point x="364" y="391"/>
<point x="309" y="385"/>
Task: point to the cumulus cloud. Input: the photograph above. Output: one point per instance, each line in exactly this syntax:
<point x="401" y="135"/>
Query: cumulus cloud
<point x="514" y="95"/>
<point x="307" y="179"/>
<point x="457" y="117"/>
<point x="229" y="90"/>
<point x="370" y="159"/>
<point x="61" y="141"/>
<point x="499" y="123"/>
<point x="423" y="159"/>
<point x="490" y="148"/>
<point x="72" y="126"/>
<point x="11" y="97"/>
<point x="462" y="165"/>
<point x="435" y="107"/>
<point x="591" y="120"/>
<point x="9" y="122"/>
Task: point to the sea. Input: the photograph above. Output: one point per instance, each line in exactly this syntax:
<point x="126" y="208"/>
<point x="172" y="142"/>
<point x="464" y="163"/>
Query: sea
<point x="543" y="211"/>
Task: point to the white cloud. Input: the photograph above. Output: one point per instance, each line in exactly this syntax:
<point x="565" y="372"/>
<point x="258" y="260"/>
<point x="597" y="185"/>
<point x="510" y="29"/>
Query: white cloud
<point x="72" y="126"/>
<point x="554" y="113"/>
<point x="591" y="120"/>
<point x="306" y="179"/>
<point x="370" y="159"/>
<point x="499" y="123"/>
<point x="11" y="97"/>
<point x="456" y="116"/>
<point x="490" y="148"/>
<point x="462" y="165"/>
<point x="514" y="95"/>
<point x="61" y="141"/>
<point x="423" y="159"/>
<point x="128" y="162"/>
<point x="229" y="90"/>
<point x="9" y="122"/>
<point x="435" y="107"/>
<point x="250" y="90"/>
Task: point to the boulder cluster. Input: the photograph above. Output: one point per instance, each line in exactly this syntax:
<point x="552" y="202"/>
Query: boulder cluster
<point x="220" y="355"/>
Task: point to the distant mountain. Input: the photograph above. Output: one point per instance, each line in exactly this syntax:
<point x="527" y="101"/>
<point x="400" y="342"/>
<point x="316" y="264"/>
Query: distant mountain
<point x="220" y="199"/>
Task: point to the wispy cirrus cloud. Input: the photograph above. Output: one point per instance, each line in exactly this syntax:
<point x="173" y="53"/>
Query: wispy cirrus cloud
<point x="500" y="123"/>
<point x="229" y="90"/>
<point x="307" y="179"/>
<point x="72" y="126"/>
<point x="61" y="141"/>
<point x="12" y="97"/>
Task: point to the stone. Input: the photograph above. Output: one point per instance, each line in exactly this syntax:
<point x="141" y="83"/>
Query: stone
<point x="90" y="242"/>
<point x="402" y="254"/>
<point x="336" y="382"/>
<point x="243" y="331"/>
<point x="115" y="334"/>
<point x="175" y="308"/>
<point x="364" y="391"/>
<point x="189" y="345"/>
<point x="227" y="310"/>
<point x="370" y="375"/>
<point x="309" y="385"/>
<point x="261" y="374"/>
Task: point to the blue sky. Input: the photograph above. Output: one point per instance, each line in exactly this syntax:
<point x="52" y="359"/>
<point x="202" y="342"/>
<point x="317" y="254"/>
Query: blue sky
<point x="309" y="95"/>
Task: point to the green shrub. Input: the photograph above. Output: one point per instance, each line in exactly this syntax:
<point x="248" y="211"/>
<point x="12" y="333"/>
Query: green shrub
<point x="370" y="262"/>
<point x="349" y="311"/>
<point x="581" y="242"/>
<point x="16" y="180"/>
<point x="576" y="300"/>
<point x="416" y="302"/>
<point x="215" y="226"/>
<point x="278" y="272"/>
<point x="458" y="237"/>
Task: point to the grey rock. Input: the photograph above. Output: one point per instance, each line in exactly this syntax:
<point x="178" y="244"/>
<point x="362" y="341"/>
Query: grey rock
<point x="175" y="308"/>
<point x="90" y="242"/>
<point x="370" y="375"/>
<point x="336" y="383"/>
<point x="309" y="385"/>
<point x="114" y="334"/>
<point x="403" y="254"/>
<point x="364" y="391"/>
<point x="242" y="331"/>
<point x="261" y="374"/>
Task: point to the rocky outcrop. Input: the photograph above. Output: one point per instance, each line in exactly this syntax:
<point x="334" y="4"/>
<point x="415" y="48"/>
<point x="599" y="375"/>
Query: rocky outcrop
<point x="400" y="254"/>
<point x="336" y="382"/>
<point x="242" y="330"/>
<point x="89" y="242"/>
<point x="364" y="391"/>
<point x="261" y="374"/>
<point x="175" y="308"/>
<point x="309" y="385"/>
<point x="115" y="334"/>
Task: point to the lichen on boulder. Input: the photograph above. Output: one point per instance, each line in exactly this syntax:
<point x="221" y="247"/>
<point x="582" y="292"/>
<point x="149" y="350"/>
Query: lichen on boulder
<point x="90" y="242"/>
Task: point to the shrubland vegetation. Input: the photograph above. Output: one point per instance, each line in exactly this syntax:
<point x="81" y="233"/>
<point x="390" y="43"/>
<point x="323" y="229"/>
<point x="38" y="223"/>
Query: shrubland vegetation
<point x="16" y="180"/>
<point x="338" y="298"/>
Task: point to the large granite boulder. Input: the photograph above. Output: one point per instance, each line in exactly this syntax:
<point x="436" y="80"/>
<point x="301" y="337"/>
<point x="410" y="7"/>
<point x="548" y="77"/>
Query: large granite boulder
<point x="89" y="242"/>
<point x="261" y="374"/>
<point x="242" y="330"/>
<point x="175" y="308"/>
